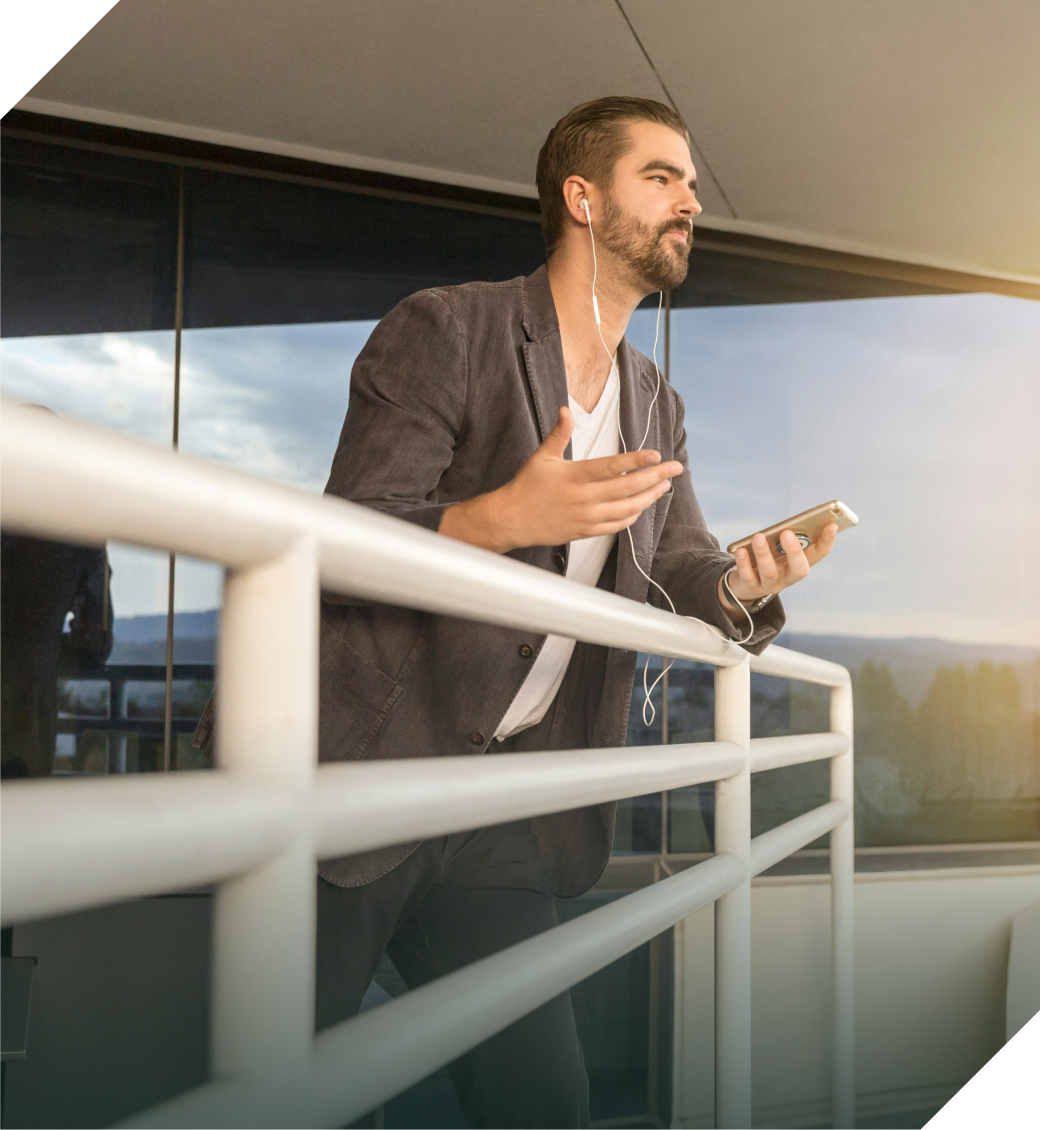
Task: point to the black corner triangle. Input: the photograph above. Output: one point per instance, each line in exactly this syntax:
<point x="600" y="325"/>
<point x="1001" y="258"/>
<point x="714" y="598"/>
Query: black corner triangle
<point x="1003" y="1088"/>
<point x="41" y="35"/>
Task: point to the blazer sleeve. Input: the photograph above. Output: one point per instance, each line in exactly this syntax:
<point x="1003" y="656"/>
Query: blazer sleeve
<point x="406" y="406"/>
<point x="689" y="563"/>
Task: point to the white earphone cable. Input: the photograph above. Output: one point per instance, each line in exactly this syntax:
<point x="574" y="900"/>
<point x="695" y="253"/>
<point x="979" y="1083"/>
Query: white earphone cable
<point x="648" y="706"/>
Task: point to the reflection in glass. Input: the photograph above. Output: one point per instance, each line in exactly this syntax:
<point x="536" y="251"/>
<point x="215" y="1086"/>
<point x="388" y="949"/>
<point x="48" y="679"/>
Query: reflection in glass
<point x="121" y="381"/>
<point x="89" y="280"/>
<point x="921" y="413"/>
<point x="269" y="400"/>
<point x="56" y="620"/>
<point x="198" y="589"/>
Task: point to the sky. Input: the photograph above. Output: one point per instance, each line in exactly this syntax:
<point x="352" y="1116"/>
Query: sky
<point x="922" y="414"/>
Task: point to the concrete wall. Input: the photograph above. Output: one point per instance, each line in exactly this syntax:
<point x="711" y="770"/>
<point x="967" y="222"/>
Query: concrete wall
<point x="119" y="1015"/>
<point x="931" y="970"/>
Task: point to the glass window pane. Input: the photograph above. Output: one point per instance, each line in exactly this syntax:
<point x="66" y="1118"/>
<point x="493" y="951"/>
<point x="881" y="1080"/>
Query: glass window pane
<point x="269" y="400"/>
<point x="264" y="252"/>
<point x="920" y="413"/>
<point x="89" y="246"/>
<point x="89" y="241"/>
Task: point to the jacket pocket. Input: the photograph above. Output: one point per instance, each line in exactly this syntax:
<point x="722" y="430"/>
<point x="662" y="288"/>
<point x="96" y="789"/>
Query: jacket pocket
<point x="660" y="511"/>
<point x="355" y="698"/>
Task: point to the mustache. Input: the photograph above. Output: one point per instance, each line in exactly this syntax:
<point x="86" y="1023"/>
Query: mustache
<point x="685" y="226"/>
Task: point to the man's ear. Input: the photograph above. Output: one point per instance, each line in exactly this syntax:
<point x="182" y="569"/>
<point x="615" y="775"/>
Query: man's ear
<point x="577" y="191"/>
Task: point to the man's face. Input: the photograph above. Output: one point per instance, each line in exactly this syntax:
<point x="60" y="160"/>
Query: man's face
<point x="649" y="208"/>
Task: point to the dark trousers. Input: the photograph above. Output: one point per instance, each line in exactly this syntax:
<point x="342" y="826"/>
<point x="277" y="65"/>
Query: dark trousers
<point x="455" y="900"/>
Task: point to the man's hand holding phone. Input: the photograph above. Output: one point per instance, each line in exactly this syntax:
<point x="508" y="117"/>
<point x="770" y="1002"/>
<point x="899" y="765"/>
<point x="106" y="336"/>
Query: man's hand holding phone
<point x="759" y="573"/>
<point x="782" y="555"/>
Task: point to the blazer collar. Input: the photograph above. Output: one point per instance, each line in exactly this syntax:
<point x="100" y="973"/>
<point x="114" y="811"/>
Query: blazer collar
<point x="543" y="353"/>
<point x="547" y="377"/>
<point x="540" y="319"/>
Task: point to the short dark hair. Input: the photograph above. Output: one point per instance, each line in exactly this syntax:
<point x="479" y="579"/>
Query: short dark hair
<point x="588" y="142"/>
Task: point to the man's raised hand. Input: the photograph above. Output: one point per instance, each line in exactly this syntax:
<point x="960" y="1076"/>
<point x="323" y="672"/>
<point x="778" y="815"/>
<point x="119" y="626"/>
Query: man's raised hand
<point x="553" y="500"/>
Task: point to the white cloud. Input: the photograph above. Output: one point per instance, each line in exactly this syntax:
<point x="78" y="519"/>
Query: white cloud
<point x="269" y="399"/>
<point x="122" y="381"/>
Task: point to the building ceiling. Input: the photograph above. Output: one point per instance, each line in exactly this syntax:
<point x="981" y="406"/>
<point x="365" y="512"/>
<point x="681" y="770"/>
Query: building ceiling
<point x="905" y="130"/>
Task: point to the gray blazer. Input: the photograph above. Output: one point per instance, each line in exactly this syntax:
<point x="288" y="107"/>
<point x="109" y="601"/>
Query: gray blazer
<point x="453" y="392"/>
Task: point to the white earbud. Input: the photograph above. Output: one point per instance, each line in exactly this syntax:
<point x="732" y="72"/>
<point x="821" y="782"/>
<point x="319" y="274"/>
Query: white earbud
<point x="595" y="300"/>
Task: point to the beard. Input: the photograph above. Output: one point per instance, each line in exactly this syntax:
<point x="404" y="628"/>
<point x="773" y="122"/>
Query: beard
<point x="661" y="264"/>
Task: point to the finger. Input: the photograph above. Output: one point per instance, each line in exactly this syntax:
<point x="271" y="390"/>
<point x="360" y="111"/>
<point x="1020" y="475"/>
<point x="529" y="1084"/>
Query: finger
<point x="555" y="443"/>
<point x="624" y="486"/>
<point x="746" y="572"/>
<point x="602" y="528"/>
<point x="612" y="465"/>
<point x="768" y="570"/>
<point x="797" y="564"/>
<point x="630" y="507"/>
<point x="823" y="544"/>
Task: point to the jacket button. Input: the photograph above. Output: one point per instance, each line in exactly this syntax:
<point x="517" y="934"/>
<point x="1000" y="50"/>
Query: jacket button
<point x="525" y="651"/>
<point x="559" y="560"/>
<point x="476" y="737"/>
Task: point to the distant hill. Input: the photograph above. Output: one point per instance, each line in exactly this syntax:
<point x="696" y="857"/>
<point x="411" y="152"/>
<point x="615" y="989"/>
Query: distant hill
<point x="142" y="639"/>
<point x="914" y="661"/>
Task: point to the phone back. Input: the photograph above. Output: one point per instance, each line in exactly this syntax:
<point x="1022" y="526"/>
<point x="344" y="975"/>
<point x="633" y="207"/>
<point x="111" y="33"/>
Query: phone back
<point x="806" y="526"/>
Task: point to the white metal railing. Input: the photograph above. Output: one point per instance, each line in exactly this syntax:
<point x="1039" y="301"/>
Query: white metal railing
<point x="255" y="825"/>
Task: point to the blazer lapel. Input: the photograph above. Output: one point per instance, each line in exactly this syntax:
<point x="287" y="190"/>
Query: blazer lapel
<point x="547" y="379"/>
<point x="543" y="352"/>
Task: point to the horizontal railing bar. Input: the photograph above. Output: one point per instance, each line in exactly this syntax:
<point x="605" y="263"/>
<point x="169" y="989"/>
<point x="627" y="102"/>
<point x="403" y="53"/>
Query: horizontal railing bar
<point x="771" y="847"/>
<point x="363" y="1062"/>
<point x="143" y="835"/>
<point x="794" y="749"/>
<point x="72" y="481"/>
<point x="460" y="1011"/>
<point x="76" y="482"/>
<point x="68" y="845"/>
<point x="784" y="663"/>
<point x="374" y="804"/>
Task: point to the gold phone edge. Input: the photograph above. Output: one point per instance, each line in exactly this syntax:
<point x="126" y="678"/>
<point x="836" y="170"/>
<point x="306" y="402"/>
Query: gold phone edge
<point x="777" y="528"/>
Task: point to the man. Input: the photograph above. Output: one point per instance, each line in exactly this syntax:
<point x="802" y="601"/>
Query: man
<point x="42" y="582"/>
<point x="490" y="412"/>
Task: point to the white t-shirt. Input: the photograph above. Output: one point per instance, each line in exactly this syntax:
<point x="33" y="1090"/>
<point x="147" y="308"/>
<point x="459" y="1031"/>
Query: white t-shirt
<point x="595" y="437"/>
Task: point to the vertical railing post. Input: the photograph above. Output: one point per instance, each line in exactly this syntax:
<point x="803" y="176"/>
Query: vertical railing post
<point x="733" y="911"/>
<point x="843" y="845"/>
<point x="267" y="704"/>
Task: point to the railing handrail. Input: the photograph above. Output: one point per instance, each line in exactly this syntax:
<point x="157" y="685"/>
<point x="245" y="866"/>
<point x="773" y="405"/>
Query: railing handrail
<point x="79" y="482"/>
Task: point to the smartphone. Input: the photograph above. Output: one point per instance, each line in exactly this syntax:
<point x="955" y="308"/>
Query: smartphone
<point x="806" y="527"/>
